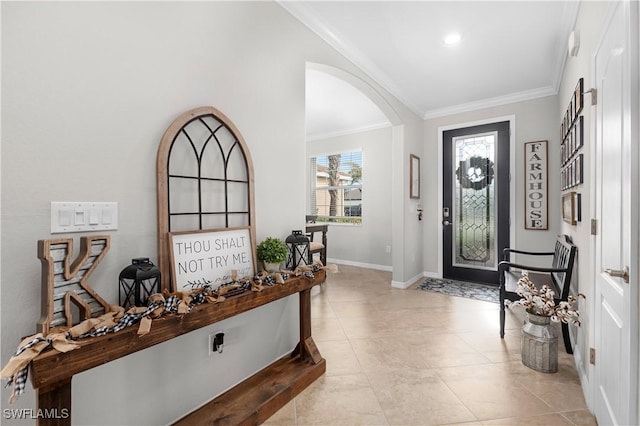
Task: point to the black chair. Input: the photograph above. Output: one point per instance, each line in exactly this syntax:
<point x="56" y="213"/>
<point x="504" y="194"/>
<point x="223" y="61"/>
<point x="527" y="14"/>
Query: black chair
<point x="558" y="277"/>
<point x="317" y="246"/>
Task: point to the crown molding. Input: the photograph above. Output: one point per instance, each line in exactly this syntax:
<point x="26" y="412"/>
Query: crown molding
<point x="345" y="132"/>
<point x="491" y="102"/>
<point x="569" y="19"/>
<point x="333" y="37"/>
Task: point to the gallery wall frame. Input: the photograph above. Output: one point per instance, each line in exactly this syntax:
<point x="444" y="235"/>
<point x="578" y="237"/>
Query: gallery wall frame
<point x="414" y="176"/>
<point x="571" y="208"/>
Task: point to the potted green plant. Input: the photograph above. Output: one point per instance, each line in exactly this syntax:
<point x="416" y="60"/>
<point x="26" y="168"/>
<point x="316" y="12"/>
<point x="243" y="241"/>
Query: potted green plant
<point x="272" y="252"/>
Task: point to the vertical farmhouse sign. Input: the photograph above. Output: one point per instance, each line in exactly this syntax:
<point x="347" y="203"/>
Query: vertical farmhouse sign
<point x="208" y="257"/>
<point x="536" y="197"/>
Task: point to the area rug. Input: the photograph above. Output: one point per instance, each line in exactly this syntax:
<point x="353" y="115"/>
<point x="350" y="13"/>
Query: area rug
<point x="470" y="290"/>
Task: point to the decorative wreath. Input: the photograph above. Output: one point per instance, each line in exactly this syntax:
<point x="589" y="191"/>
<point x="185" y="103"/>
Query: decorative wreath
<point x="476" y="173"/>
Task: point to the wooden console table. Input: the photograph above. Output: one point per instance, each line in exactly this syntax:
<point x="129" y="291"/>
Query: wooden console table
<point x="249" y="403"/>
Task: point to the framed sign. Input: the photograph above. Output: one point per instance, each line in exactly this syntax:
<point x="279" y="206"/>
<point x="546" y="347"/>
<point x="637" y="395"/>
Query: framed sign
<point x="414" y="176"/>
<point x="536" y="186"/>
<point x="208" y="257"/>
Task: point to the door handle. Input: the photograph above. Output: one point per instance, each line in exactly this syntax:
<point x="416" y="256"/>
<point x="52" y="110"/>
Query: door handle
<point x="446" y="223"/>
<point x="624" y="273"/>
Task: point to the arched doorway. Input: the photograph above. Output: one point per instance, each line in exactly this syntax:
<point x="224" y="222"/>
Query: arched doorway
<point x="392" y="128"/>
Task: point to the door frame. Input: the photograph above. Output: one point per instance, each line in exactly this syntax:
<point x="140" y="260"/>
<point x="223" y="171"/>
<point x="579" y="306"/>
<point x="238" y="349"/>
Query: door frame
<point x="512" y="148"/>
<point x="591" y="388"/>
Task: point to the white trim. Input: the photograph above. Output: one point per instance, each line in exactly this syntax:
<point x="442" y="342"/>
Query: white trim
<point x="569" y="20"/>
<point x="512" y="169"/>
<point x="429" y="274"/>
<point x="406" y="284"/>
<point x="492" y="102"/>
<point x="338" y="133"/>
<point x="334" y="39"/>
<point x="360" y="264"/>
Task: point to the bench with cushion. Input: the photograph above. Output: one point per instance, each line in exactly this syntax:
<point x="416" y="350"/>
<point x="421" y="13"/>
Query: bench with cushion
<point x="557" y="276"/>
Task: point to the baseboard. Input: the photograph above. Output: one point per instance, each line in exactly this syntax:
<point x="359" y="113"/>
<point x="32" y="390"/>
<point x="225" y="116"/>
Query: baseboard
<point x="361" y="264"/>
<point x="408" y="283"/>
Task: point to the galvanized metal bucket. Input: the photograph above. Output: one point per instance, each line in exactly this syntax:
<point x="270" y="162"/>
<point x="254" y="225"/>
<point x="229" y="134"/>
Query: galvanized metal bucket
<point x="539" y="346"/>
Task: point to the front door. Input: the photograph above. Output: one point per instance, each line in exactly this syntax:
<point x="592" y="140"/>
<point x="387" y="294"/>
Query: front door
<point x="615" y="323"/>
<point x="475" y="214"/>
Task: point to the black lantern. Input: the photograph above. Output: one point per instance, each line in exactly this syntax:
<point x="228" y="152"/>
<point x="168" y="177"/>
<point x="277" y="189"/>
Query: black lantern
<point x="299" y="254"/>
<point x="138" y="281"/>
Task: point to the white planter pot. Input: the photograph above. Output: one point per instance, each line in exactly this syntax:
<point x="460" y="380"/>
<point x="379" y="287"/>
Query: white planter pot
<point x="271" y="267"/>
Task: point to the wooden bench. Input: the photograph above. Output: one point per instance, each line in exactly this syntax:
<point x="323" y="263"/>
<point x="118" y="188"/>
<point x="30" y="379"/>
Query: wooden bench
<point x="557" y="276"/>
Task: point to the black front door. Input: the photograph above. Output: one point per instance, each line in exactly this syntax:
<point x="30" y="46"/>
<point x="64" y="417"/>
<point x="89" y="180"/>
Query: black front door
<point x="475" y="214"/>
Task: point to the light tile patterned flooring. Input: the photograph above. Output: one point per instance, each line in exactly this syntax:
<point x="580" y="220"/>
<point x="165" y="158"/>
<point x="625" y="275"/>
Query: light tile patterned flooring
<point x="411" y="357"/>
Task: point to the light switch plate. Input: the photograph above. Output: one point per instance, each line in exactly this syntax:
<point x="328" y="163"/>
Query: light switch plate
<point x="73" y="216"/>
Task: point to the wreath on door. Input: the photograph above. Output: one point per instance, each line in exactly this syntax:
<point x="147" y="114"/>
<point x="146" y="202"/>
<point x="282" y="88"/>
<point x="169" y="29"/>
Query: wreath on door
<point x="476" y="172"/>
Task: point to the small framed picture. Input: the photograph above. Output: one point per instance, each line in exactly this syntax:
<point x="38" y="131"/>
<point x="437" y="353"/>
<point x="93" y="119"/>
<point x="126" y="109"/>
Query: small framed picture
<point x="578" y="94"/>
<point x="579" y="127"/>
<point x="414" y="176"/>
<point x="570" y="141"/>
<point x="568" y="208"/>
<point x="579" y="169"/>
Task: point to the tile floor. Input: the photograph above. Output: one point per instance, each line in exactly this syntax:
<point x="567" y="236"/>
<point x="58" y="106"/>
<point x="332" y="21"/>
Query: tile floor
<point x="411" y="357"/>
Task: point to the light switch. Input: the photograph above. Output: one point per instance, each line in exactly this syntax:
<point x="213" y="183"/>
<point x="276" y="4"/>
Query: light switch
<point x="74" y="216"/>
<point x="94" y="217"/>
<point x="79" y="217"/>
<point x="64" y="217"/>
<point x="106" y="216"/>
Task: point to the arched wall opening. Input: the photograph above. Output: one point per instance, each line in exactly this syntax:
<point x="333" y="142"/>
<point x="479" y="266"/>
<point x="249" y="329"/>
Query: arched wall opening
<point x="388" y="245"/>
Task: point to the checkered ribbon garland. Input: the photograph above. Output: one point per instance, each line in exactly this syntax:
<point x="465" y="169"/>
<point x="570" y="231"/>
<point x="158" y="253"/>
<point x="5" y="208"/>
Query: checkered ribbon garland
<point x="19" y="379"/>
<point x="17" y="370"/>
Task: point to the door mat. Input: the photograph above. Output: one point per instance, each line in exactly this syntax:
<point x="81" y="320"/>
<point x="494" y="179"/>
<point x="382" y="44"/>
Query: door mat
<point x="483" y="292"/>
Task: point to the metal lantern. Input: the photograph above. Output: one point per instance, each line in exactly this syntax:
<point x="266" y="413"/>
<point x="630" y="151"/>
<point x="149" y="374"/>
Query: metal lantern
<point x="138" y="281"/>
<point x="299" y="254"/>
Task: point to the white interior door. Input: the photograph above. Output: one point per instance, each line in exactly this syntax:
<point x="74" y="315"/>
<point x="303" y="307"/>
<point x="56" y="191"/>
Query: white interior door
<point x="615" y="372"/>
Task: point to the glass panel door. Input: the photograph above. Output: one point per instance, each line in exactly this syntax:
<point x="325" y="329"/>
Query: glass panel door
<point x="474" y="194"/>
<point x="475" y="216"/>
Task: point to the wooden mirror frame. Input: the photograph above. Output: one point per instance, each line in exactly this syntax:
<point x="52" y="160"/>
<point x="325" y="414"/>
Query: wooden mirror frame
<point x="163" y="185"/>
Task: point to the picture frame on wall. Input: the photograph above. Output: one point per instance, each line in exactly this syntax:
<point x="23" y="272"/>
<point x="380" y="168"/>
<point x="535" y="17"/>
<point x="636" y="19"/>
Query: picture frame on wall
<point x="414" y="176"/>
<point x="579" y="167"/>
<point x="579" y="98"/>
<point x="579" y="132"/>
<point x="568" y="208"/>
<point x="536" y="185"/>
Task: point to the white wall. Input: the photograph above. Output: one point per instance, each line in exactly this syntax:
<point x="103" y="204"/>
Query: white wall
<point x="87" y="91"/>
<point x="589" y="24"/>
<point x="363" y="245"/>
<point x="535" y="120"/>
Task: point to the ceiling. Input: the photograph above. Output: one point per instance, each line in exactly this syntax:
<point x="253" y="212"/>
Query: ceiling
<point x="510" y="51"/>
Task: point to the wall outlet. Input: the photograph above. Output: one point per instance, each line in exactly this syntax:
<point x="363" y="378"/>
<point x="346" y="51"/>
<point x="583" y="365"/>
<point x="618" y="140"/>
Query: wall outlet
<point x="215" y="346"/>
<point x="388" y="249"/>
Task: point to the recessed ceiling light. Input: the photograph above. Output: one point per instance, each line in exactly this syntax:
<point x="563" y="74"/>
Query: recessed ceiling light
<point x="451" y="39"/>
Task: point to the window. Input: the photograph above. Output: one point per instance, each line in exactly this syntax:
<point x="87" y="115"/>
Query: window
<point x="336" y="187"/>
